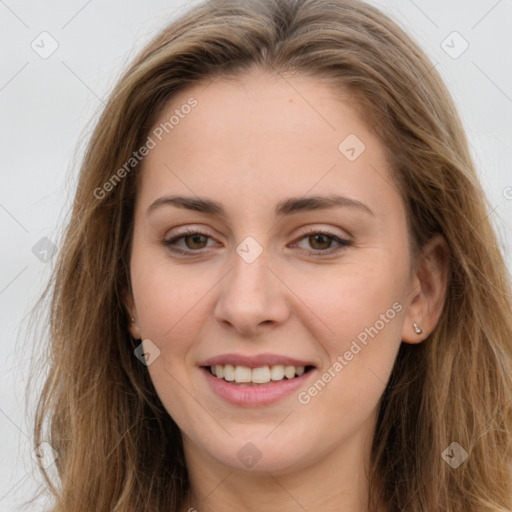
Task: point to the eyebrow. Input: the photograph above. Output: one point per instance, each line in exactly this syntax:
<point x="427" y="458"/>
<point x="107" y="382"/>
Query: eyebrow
<point x="286" y="207"/>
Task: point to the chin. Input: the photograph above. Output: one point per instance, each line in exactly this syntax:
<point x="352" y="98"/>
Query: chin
<point x="259" y="456"/>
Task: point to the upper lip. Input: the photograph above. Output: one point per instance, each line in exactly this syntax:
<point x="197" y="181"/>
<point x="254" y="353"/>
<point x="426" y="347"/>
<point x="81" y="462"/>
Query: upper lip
<point x="254" y="361"/>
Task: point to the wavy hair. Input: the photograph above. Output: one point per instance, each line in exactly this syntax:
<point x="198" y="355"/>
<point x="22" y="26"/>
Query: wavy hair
<point x="118" y="448"/>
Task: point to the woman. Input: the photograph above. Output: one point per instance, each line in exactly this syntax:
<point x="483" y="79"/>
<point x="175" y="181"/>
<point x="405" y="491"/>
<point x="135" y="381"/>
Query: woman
<point x="279" y="287"/>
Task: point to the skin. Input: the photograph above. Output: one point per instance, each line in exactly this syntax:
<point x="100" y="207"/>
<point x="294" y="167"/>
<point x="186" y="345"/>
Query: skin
<point x="250" y="145"/>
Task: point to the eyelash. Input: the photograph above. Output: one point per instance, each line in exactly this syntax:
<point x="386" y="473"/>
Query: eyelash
<point x="190" y="232"/>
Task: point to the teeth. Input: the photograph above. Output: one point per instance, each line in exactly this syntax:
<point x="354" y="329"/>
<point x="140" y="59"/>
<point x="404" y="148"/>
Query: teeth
<point x="243" y="374"/>
<point x="289" y="372"/>
<point x="277" y="372"/>
<point x="229" y="373"/>
<point x="260" y="375"/>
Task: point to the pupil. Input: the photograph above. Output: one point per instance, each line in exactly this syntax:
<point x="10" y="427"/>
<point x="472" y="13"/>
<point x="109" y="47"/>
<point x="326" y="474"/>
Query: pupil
<point x="315" y="238"/>
<point x="196" y="239"/>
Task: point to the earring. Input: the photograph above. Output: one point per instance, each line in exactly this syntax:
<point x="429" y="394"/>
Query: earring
<point x="133" y="319"/>
<point x="417" y="330"/>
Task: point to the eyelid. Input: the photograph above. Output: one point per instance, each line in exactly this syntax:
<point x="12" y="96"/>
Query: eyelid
<point x="319" y="228"/>
<point x="188" y="229"/>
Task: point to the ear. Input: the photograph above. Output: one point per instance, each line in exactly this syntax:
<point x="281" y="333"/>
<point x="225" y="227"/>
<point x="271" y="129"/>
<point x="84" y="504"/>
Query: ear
<point x="428" y="289"/>
<point x="133" y="327"/>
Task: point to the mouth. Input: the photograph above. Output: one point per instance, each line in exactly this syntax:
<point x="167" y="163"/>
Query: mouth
<point x="245" y="376"/>
<point x="256" y="380"/>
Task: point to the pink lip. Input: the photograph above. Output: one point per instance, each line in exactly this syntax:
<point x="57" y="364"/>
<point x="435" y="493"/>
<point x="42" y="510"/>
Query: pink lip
<point x="253" y="396"/>
<point x="254" y="361"/>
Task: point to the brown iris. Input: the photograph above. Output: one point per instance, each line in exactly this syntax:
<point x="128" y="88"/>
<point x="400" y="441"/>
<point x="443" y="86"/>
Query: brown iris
<point x="196" y="239"/>
<point x="323" y="240"/>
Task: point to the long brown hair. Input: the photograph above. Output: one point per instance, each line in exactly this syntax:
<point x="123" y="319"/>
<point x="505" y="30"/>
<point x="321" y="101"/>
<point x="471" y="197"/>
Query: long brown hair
<point x="118" y="449"/>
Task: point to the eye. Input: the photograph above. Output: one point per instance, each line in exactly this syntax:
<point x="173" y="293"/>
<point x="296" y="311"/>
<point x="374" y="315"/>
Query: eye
<point x="194" y="241"/>
<point x="322" y="242"/>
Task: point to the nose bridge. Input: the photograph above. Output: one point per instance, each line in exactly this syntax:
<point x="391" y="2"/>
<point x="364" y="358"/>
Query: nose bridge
<point x="250" y="269"/>
<point x="249" y="281"/>
<point x="251" y="294"/>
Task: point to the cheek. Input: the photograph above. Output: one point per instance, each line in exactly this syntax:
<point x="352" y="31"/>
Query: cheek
<point x="165" y="293"/>
<point x="170" y="306"/>
<point x="357" y="321"/>
<point x="360" y="357"/>
<point x="347" y="299"/>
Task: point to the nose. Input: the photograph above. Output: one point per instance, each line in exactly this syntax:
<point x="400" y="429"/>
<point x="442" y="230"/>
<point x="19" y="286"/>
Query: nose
<point x="252" y="298"/>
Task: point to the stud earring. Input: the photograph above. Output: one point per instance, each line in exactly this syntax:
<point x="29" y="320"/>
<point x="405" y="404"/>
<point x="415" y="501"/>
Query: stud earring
<point x="133" y="319"/>
<point x="417" y="330"/>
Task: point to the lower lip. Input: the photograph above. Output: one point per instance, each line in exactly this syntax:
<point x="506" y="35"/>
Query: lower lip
<point x="253" y="396"/>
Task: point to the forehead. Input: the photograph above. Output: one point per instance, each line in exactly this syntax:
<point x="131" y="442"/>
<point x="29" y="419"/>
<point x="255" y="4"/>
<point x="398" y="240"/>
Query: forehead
<point x="261" y="136"/>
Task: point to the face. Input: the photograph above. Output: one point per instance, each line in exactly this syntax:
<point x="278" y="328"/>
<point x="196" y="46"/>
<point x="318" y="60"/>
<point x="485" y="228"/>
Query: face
<point x="286" y="252"/>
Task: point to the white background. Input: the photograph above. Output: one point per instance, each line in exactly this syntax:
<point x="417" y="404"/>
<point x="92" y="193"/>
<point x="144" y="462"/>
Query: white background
<point x="48" y="108"/>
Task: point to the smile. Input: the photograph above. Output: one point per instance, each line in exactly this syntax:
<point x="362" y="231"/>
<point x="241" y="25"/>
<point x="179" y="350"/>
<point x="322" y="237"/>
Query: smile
<point x="243" y="375"/>
<point x="256" y="394"/>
